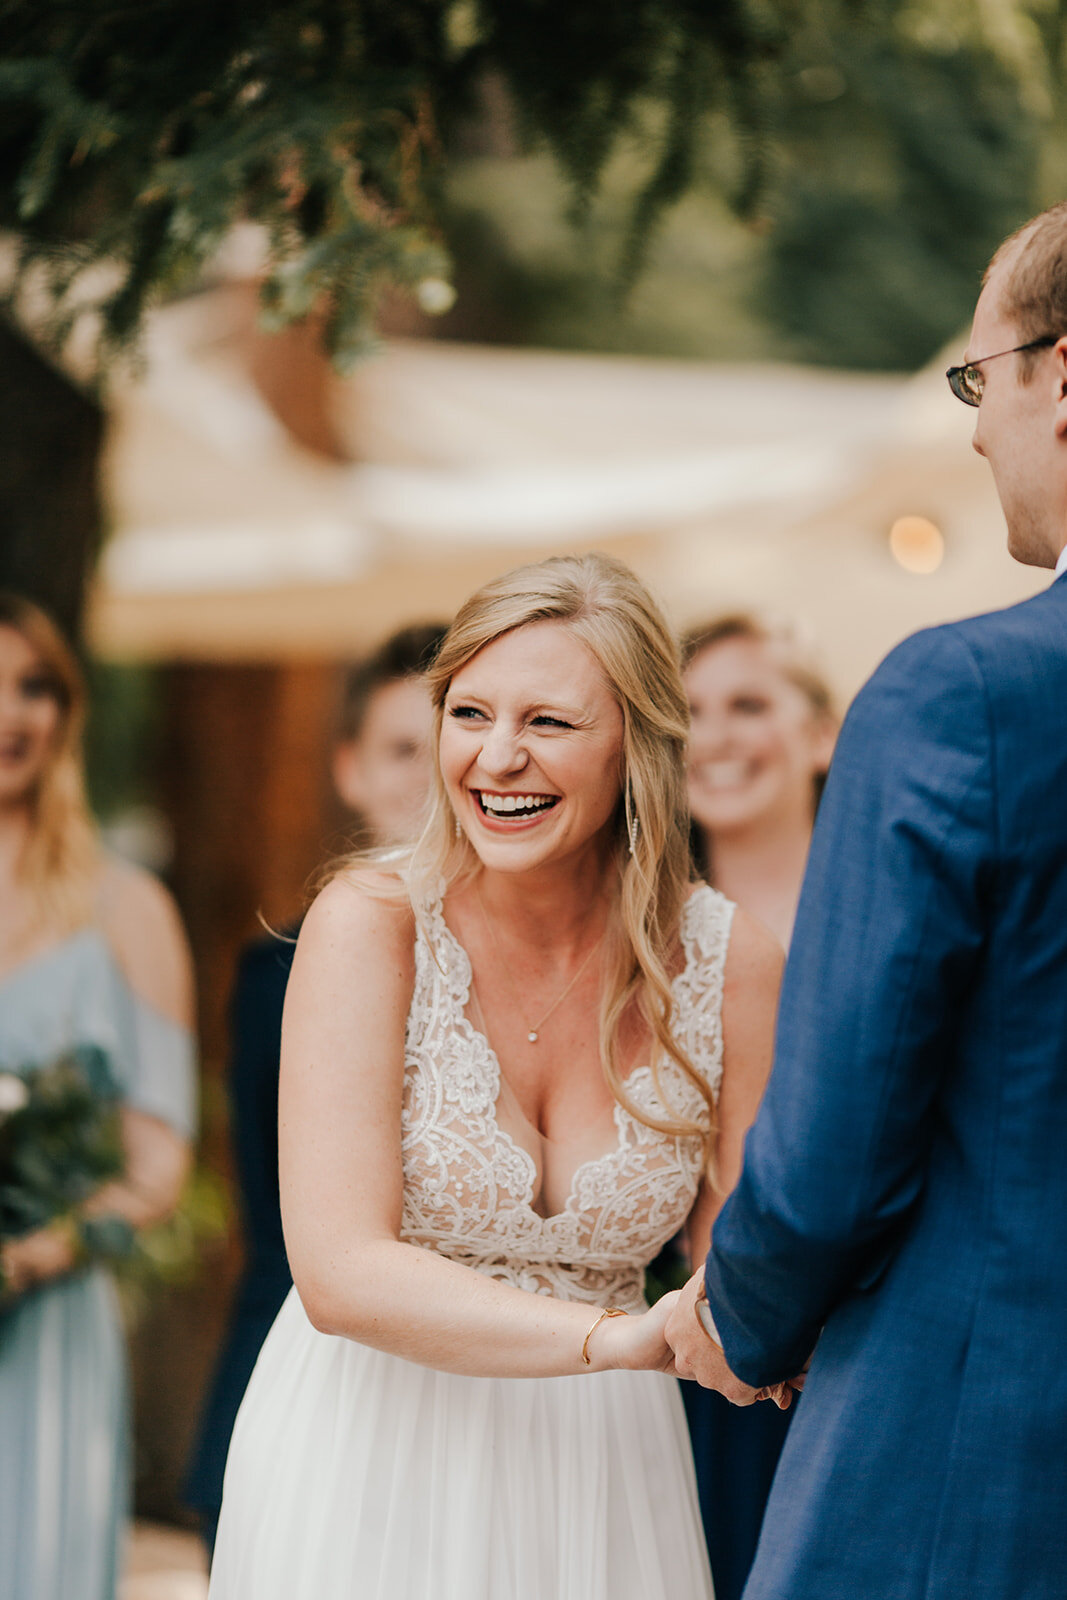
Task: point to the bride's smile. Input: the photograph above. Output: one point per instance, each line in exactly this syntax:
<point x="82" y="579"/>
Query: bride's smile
<point x="531" y="748"/>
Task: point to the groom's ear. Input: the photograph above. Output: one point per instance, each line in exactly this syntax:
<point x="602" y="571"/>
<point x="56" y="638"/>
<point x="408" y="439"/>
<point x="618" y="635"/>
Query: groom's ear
<point x="1059" y="396"/>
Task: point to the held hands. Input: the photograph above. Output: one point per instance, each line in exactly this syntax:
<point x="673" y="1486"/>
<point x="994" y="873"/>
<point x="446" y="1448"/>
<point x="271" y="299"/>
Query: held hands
<point x="670" y="1339"/>
<point x="636" y="1343"/>
<point x="697" y="1355"/>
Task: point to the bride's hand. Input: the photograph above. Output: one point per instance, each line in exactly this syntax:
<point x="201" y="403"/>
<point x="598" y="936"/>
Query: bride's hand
<point x="639" y="1343"/>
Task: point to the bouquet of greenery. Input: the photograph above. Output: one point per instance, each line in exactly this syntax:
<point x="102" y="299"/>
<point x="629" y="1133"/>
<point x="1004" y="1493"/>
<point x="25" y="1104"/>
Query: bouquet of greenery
<point x="60" y="1139"/>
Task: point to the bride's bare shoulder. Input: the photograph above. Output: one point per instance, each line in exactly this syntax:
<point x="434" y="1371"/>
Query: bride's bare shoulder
<point x="363" y="908"/>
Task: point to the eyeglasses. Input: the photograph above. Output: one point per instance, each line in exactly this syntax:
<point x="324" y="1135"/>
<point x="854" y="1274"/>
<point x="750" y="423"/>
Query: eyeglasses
<point x="967" y="382"/>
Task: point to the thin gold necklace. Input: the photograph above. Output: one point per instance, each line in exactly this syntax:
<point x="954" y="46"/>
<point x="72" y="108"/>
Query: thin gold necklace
<point x="533" y="1033"/>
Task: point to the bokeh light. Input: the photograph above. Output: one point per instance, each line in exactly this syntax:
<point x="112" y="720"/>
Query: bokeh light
<point x="917" y="544"/>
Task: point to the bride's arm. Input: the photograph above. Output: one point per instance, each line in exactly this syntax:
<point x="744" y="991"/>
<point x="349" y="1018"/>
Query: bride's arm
<point x="342" y="1181"/>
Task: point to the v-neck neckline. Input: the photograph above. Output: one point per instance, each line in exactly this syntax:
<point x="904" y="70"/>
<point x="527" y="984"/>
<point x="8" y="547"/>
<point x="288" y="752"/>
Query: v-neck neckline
<point x="478" y="1037"/>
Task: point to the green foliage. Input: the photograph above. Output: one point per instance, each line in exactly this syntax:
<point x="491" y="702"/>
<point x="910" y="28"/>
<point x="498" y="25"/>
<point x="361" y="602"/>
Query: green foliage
<point x="911" y="138"/>
<point x="526" y="277"/>
<point x="668" y="1272"/>
<point x="133" y="137"/>
<point x="914" y="149"/>
<point x="122" y="736"/>
<point x="884" y="144"/>
<point x="172" y="1254"/>
<point x="59" y="1138"/>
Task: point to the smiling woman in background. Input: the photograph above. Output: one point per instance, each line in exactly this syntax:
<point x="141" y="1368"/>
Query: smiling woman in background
<point x="93" y="965"/>
<point x="761" y="737"/>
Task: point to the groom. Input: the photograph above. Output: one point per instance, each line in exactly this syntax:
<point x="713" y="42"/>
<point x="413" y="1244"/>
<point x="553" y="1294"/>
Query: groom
<point x="903" y="1206"/>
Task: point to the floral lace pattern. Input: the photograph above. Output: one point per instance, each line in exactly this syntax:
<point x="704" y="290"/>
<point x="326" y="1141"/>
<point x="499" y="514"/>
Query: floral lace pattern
<point x="469" y="1188"/>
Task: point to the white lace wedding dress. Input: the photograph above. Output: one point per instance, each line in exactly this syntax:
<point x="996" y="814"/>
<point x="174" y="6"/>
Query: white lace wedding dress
<point x="355" y="1475"/>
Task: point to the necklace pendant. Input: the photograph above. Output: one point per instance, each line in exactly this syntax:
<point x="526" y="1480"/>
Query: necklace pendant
<point x="532" y="1036"/>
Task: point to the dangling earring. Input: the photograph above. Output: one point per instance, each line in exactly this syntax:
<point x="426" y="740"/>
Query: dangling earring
<point x="633" y="824"/>
<point x="458" y="825"/>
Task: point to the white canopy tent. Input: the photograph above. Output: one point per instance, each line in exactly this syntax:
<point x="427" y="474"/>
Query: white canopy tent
<point x="767" y="486"/>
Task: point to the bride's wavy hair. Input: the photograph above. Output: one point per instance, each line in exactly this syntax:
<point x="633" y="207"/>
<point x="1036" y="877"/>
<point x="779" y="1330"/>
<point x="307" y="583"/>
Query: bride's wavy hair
<point x="610" y="611"/>
<point x="62" y="854"/>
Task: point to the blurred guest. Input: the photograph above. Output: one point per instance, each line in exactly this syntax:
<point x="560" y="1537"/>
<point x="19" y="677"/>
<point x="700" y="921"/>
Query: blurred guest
<point x="761" y="738"/>
<point x="762" y="735"/>
<point x="93" y="964"/>
<point x="381" y="766"/>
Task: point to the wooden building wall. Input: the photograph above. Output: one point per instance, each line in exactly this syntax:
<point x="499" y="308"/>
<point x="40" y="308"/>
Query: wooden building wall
<point x="245" y="785"/>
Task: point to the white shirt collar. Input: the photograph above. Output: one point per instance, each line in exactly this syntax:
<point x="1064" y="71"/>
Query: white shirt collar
<point x="1061" y="565"/>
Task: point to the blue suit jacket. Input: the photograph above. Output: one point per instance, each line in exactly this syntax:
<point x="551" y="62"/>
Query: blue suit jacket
<point x="255" y="1034"/>
<point x="903" y="1205"/>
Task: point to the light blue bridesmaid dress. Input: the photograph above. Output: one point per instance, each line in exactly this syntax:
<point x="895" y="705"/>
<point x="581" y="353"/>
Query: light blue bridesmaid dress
<point x="64" y="1430"/>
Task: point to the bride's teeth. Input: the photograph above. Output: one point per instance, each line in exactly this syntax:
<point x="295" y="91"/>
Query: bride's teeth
<point x="501" y="804"/>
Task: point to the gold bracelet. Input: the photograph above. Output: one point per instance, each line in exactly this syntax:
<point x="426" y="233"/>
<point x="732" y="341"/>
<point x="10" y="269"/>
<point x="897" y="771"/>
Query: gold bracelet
<point x="612" y="1311"/>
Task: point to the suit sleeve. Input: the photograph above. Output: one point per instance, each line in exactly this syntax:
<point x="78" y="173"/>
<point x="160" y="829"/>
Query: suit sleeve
<point x="888" y="935"/>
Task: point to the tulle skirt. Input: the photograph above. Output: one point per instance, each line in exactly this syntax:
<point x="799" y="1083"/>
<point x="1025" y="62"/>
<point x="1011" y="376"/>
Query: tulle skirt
<point x="354" y="1475"/>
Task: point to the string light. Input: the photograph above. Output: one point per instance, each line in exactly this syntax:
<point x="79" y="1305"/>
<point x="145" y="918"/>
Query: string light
<point x="917" y="544"/>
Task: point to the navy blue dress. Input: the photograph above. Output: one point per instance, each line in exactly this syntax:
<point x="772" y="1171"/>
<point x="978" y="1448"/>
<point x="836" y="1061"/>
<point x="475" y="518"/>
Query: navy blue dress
<point x="735" y="1448"/>
<point x="256" y="1031"/>
<point x="735" y="1451"/>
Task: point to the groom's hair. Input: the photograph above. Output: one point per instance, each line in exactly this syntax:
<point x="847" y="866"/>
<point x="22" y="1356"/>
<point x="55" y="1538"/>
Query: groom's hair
<point x="1034" y="293"/>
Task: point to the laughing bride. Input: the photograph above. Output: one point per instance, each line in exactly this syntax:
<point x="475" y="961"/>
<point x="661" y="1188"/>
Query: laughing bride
<point x="509" y="1074"/>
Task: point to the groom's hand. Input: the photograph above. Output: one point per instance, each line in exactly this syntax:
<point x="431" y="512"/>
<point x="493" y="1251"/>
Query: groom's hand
<point x="697" y="1355"/>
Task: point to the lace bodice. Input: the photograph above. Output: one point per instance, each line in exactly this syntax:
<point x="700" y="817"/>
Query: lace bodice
<point x="469" y="1187"/>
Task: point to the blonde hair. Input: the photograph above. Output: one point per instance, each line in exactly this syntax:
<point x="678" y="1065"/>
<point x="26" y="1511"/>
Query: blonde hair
<point x="797" y="662"/>
<point x="62" y="855"/>
<point x="797" y="665"/>
<point x="613" y="615"/>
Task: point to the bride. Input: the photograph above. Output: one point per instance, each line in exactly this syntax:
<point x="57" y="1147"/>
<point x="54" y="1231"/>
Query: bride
<point x="511" y="1070"/>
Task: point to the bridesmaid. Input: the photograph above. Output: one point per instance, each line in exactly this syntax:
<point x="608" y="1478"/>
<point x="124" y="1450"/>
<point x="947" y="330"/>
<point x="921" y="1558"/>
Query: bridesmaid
<point x="761" y="738"/>
<point x="91" y="953"/>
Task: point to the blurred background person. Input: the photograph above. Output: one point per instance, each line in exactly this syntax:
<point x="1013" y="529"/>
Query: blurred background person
<point x="381" y="767"/>
<point x="92" y="958"/>
<point x="381" y="762"/>
<point x="761" y="739"/>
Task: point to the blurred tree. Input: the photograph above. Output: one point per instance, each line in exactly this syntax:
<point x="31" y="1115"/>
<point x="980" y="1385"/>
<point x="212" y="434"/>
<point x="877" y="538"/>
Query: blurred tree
<point x="914" y="148"/>
<point x="910" y="140"/>
<point x="132" y="138"/>
<point x="50" y="511"/>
